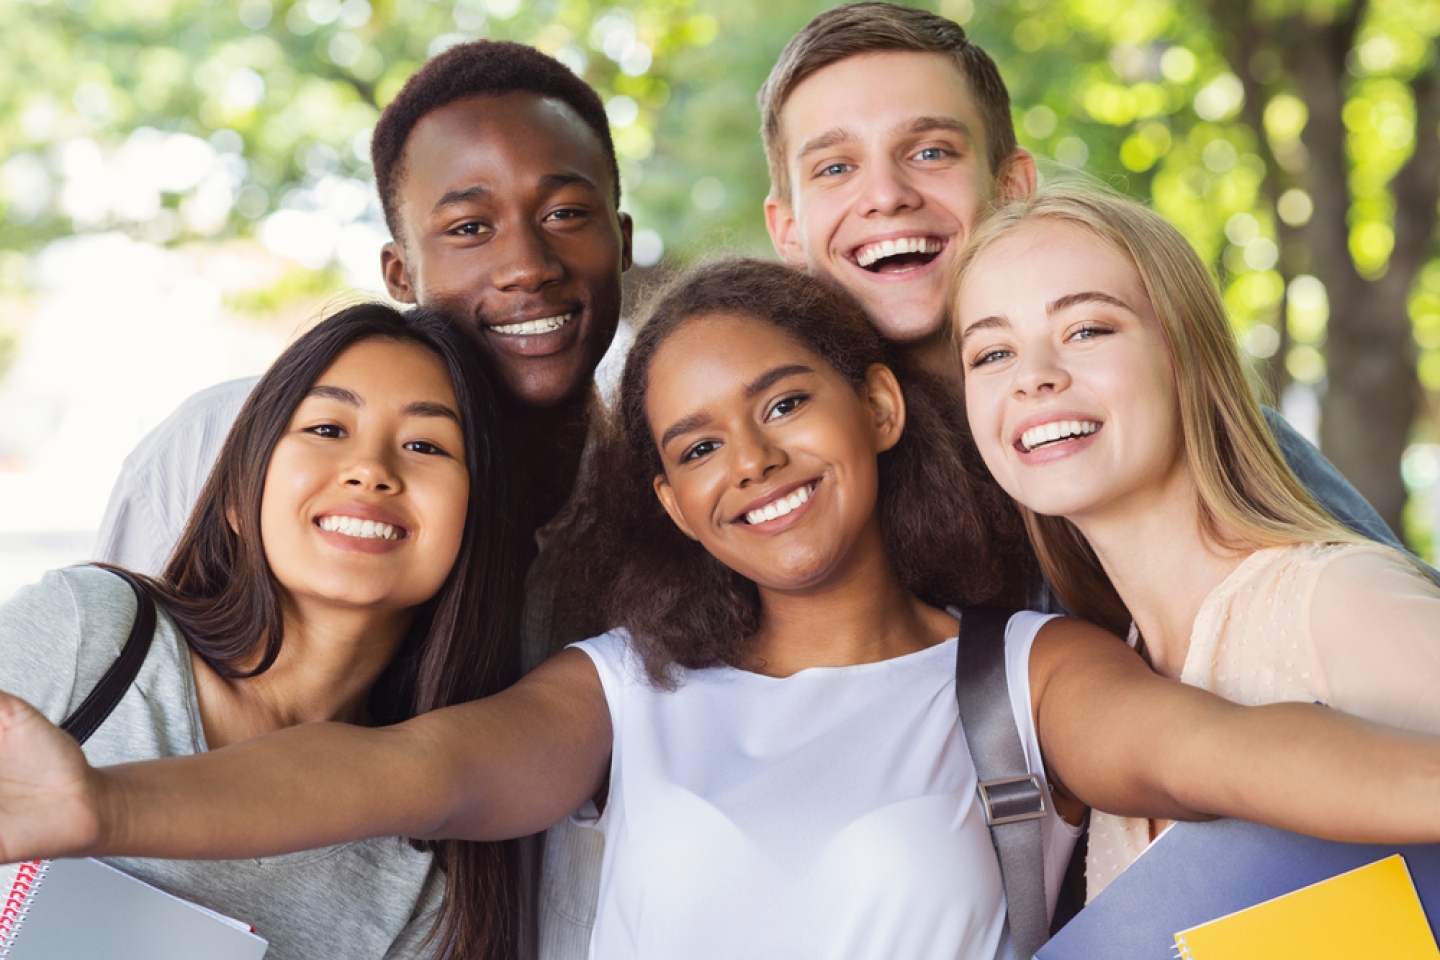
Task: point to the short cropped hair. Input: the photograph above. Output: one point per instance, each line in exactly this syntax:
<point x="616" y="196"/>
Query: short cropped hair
<point x="860" y="28"/>
<point x="479" y="68"/>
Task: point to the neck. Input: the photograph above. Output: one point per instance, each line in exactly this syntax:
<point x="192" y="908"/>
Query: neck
<point x="547" y="446"/>
<point x="329" y="660"/>
<point x="1163" y="564"/>
<point x="861" y="614"/>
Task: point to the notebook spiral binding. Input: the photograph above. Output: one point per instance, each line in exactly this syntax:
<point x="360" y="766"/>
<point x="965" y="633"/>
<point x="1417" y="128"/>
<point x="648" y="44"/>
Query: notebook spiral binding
<point x="17" y="903"/>
<point x="1182" y="951"/>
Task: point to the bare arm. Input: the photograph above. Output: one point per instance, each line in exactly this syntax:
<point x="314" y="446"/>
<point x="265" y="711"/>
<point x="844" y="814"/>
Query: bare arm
<point x="1130" y="742"/>
<point x="501" y="767"/>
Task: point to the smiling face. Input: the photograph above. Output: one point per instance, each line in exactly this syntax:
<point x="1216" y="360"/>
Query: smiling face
<point x="886" y="154"/>
<point x="366" y="491"/>
<point x="1068" y="383"/>
<point x="507" y="209"/>
<point x="769" y="454"/>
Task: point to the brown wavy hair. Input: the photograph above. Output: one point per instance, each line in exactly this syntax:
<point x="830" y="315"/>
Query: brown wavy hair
<point x="463" y="643"/>
<point x="951" y="535"/>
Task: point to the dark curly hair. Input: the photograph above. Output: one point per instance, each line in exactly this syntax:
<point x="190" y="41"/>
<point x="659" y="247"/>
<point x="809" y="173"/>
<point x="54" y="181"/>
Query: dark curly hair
<point x="479" y="68"/>
<point x="951" y="534"/>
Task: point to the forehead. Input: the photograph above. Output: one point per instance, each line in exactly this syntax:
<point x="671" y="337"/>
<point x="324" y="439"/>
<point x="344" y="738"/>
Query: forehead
<point x="1042" y="260"/>
<point x="379" y="365"/>
<point x="717" y="354"/>
<point x="513" y="140"/>
<point x="874" y="93"/>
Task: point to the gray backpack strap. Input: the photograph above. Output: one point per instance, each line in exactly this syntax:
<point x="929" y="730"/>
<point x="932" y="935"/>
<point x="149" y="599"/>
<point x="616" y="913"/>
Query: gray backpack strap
<point x="1012" y="797"/>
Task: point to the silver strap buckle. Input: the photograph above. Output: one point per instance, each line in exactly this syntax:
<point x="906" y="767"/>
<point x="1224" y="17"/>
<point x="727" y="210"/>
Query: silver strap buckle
<point x="1012" y="799"/>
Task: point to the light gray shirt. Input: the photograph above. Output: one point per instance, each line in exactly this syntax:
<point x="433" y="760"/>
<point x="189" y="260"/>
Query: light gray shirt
<point x="365" y="901"/>
<point x="148" y="509"/>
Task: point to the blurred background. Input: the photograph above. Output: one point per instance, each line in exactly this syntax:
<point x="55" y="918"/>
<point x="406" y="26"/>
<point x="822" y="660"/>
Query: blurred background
<point x="184" y="185"/>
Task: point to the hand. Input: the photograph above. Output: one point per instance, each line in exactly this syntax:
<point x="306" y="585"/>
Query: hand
<point x="48" y="792"/>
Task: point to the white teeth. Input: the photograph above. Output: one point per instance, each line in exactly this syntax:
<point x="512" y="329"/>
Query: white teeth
<point x="1056" y="430"/>
<point x="778" y="508"/>
<point x="530" y="328"/>
<point x="361" y="529"/>
<point x="872" y="252"/>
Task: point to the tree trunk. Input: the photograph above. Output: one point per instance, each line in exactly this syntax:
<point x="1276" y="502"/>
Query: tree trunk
<point x="1373" y="393"/>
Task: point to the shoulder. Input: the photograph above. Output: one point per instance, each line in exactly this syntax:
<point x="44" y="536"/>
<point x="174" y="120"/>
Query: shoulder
<point x="204" y="416"/>
<point x="1356" y="579"/>
<point x="613" y="654"/>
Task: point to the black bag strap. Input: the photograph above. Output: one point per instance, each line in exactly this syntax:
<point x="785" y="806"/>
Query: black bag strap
<point x="112" y="686"/>
<point x="1012" y="797"/>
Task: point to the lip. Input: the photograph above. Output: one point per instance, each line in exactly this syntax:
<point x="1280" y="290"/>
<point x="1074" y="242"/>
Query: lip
<point x="361" y="511"/>
<point x="1046" y="454"/>
<point x="850" y="256"/>
<point x="779" y="493"/>
<point x="536" y="344"/>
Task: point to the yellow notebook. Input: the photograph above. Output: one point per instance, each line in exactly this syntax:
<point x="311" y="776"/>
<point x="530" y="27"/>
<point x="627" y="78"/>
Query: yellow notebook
<point x="1369" y="912"/>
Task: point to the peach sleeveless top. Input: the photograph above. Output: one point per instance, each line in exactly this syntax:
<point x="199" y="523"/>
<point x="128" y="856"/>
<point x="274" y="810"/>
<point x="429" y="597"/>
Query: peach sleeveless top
<point x="1355" y="627"/>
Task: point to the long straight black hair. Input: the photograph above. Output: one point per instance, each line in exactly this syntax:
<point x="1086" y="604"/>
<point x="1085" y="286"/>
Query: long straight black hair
<point x="462" y="644"/>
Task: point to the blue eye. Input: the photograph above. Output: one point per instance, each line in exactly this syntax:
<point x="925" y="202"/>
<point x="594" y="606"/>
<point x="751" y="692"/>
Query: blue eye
<point x="990" y="356"/>
<point x="1090" y="332"/>
<point x="931" y="153"/>
<point x="835" y="169"/>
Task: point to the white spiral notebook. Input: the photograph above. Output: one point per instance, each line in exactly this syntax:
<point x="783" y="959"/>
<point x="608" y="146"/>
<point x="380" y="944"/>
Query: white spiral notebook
<point x="88" y="910"/>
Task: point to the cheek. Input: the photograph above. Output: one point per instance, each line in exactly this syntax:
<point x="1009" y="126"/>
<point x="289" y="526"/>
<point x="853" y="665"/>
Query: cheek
<point x="984" y="411"/>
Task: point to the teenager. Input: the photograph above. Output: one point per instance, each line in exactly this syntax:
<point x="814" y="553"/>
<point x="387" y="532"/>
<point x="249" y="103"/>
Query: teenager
<point x="888" y="133"/>
<point x="498" y="179"/>
<point x="350" y="558"/>
<point x="779" y="759"/>
<point x="1108" y="396"/>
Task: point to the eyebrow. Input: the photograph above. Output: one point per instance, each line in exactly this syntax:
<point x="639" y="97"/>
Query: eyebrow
<point x="550" y="181"/>
<point x="1052" y="308"/>
<point x="757" y="386"/>
<point x="929" y="124"/>
<point x="824" y="141"/>
<point x="420" y="408"/>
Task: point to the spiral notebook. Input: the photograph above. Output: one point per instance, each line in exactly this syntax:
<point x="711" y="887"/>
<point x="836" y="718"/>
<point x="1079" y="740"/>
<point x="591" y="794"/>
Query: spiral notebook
<point x="1371" y="911"/>
<point x="84" y="909"/>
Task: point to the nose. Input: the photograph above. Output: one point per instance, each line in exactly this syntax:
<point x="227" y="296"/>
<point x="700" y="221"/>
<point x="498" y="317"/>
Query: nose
<point x="754" y="455"/>
<point x="888" y="190"/>
<point x="1039" y="371"/>
<point x="371" y="469"/>
<point x="526" y="261"/>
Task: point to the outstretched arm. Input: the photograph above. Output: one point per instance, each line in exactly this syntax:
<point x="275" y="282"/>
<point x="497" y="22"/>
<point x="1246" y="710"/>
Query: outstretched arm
<point x="501" y="767"/>
<point x="1130" y="742"/>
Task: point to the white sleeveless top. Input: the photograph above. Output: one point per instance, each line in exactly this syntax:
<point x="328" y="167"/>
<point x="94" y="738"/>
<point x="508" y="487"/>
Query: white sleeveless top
<point x="829" y="815"/>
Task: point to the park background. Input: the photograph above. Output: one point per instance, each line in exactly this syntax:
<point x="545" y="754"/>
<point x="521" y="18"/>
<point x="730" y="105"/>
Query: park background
<point x="184" y="186"/>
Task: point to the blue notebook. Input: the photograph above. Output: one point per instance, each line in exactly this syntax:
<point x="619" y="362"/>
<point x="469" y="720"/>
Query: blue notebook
<point x="1198" y="872"/>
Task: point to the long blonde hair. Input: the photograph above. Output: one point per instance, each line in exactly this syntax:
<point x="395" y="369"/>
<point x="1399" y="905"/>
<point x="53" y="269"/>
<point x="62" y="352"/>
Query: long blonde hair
<point x="1248" y="496"/>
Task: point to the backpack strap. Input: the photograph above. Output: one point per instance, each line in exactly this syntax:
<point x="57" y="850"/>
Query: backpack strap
<point x="112" y="686"/>
<point x="1011" y="796"/>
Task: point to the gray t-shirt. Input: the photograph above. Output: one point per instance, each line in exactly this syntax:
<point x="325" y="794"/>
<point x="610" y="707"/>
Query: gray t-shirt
<point x="372" y="899"/>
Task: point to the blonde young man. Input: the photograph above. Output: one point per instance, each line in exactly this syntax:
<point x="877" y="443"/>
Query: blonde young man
<point x="888" y="133"/>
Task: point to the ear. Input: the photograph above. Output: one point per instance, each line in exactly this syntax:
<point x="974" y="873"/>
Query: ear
<point x="1016" y="179"/>
<point x="627" y="233"/>
<point x="666" y="493"/>
<point x="784" y="231"/>
<point x="396" y="274"/>
<point x="886" y="401"/>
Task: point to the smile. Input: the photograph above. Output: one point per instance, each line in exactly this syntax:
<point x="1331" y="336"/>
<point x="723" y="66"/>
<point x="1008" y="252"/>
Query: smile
<point x="898" y="254"/>
<point x="531" y="328"/>
<point x="780" y="506"/>
<point x="361" y="529"/>
<point x="1057" y="431"/>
